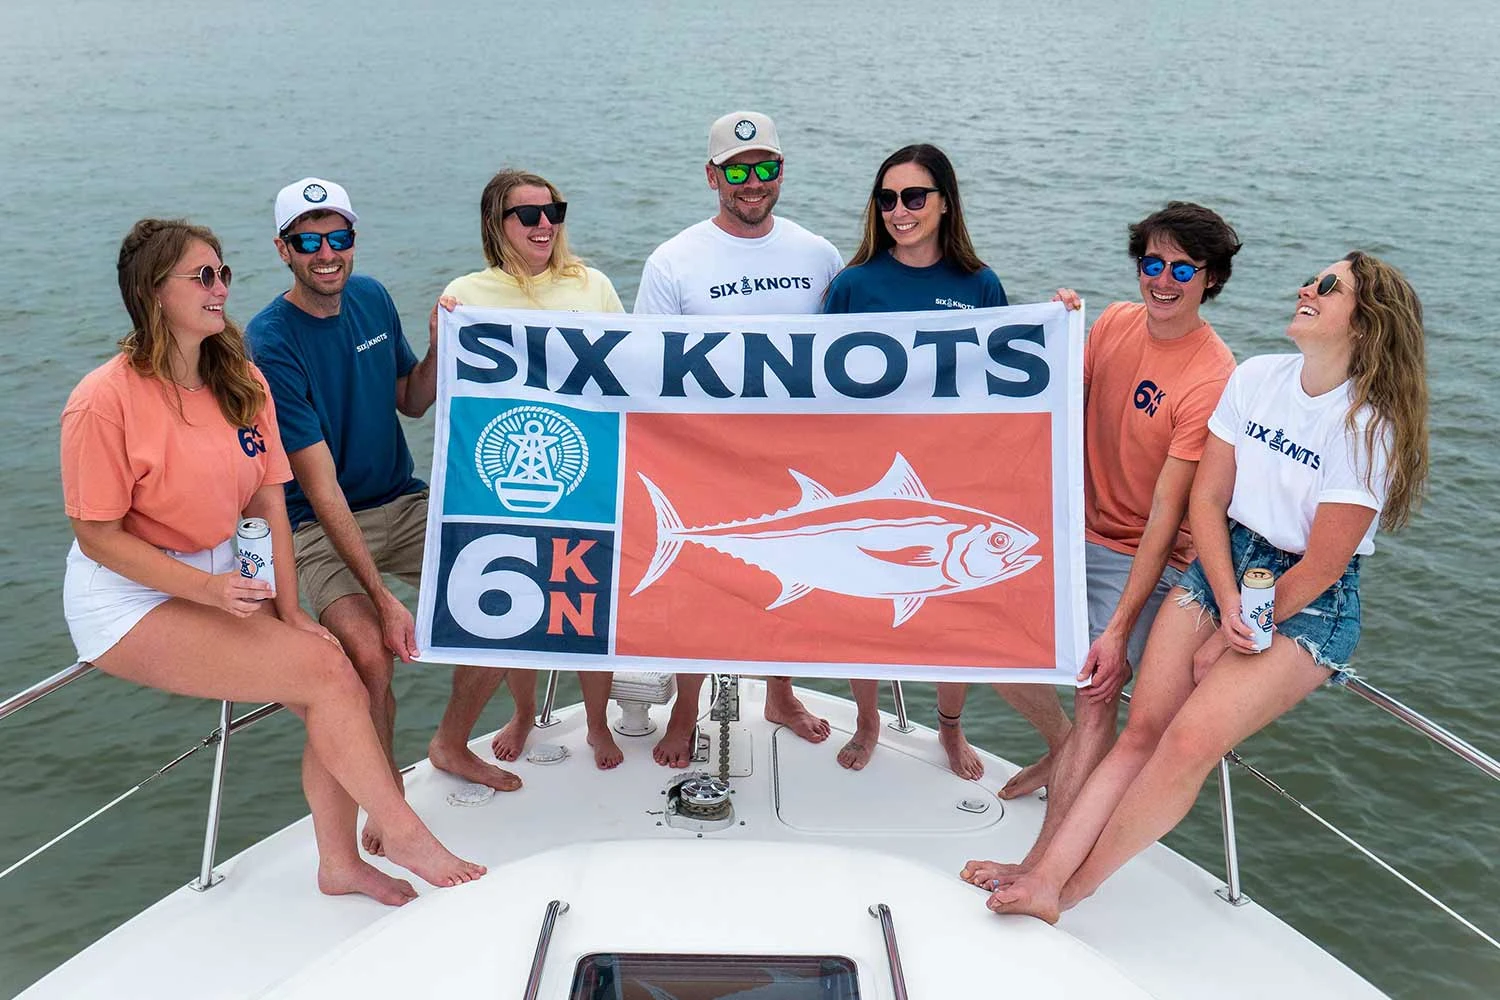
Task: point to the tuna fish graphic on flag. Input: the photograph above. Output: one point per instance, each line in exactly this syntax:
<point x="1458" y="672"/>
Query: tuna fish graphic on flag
<point x="893" y="542"/>
<point x="913" y="539"/>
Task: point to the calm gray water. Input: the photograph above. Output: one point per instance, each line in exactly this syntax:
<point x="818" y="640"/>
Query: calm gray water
<point x="1315" y="129"/>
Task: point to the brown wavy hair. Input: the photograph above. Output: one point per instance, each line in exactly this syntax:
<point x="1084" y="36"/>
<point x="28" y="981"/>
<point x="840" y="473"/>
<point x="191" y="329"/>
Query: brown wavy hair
<point x="1388" y="372"/>
<point x="148" y="255"/>
<point x="953" y="235"/>
<point x="1202" y="234"/>
<point x="499" y="253"/>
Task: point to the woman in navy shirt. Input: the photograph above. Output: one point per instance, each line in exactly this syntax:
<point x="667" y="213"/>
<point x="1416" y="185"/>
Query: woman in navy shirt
<point x="915" y="256"/>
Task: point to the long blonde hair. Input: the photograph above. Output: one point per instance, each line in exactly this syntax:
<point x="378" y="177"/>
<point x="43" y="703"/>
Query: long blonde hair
<point x="1388" y="372"/>
<point x="148" y="254"/>
<point x="498" y="251"/>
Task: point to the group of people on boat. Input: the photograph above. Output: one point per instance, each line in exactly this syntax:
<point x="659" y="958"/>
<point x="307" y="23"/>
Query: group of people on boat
<point x="1196" y="470"/>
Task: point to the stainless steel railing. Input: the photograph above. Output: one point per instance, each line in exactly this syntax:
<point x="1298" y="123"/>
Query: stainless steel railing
<point x="1231" y="892"/>
<point x="41" y="689"/>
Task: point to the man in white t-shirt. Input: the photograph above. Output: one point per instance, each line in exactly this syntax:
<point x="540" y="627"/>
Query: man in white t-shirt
<point x="744" y="260"/>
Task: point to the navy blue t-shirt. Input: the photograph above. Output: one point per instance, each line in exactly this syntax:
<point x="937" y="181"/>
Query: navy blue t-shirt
<point x="884" y="284"/>
<point x="334" y="380"/>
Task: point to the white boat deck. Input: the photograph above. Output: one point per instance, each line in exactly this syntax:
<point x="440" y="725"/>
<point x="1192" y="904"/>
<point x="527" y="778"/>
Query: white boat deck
<point x="812" y="848"/>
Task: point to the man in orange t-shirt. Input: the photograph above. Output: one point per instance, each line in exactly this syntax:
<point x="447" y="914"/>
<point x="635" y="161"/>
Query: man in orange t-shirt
<point x="1152" y="374"/>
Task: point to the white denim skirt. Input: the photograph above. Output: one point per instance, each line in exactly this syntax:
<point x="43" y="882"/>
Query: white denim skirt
<point x="101" y="605"/>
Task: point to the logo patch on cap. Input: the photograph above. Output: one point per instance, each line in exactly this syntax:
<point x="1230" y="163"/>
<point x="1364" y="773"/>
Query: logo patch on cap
<point x="744" y="130"/>
<point x="316" y="193"/>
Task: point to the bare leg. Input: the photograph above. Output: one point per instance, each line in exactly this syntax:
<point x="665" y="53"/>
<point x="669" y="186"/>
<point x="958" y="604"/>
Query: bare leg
<point x="675" y="748"/>
<point x="341" y="871"/>
<point x="856" y="753"/>
<point x="449" y="747"/>
<point x="1241" y="694"/>
<point x="510" y="742"/>
<point x="596" y="685"/>
<point x="354" y="620"/>
<point x="962" y="759"/>
<point x="784" y="709"/>
<point x="1040" y="706"/>
<point x="1093" y="734"/>
<point x="1166" y="681"/>
<point x="195" y="650"/>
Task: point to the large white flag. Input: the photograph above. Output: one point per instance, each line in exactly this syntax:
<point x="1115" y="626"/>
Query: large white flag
<point x="879" y="495"/>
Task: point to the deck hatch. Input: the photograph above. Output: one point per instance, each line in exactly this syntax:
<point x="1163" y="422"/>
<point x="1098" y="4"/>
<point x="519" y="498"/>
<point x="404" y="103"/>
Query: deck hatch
<point x="618" y="976"/>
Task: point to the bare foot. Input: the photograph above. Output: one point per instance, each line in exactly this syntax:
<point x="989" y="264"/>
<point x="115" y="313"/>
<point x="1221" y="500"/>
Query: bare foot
<point x="1028" y="895"/>
<point x="510" y="742"/>
<point x="794" y="715"/>
<point x="419" y="852"/>
<point x="961" y="757"/>
<point x="1028" y="779"/>
<point x="991" y="874"/>
<point x="364" y="879"/>
<point x="856" y="753"/>
<point x="675" y="748"/>
<point x="369" y="839"/>
<point x="606" y="752"/>
<point x="461" y="762"/>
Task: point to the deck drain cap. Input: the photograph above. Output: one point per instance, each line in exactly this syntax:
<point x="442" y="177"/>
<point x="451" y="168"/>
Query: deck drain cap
<point x="547" y="753"/>
<point x="973" y="805"/>
<point x="469" y="794"/>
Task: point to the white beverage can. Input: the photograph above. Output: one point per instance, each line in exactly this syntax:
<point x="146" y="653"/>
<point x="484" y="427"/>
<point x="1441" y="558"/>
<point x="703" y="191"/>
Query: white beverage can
<point x="1258" y="604"/>
<point x="253" y="545"/>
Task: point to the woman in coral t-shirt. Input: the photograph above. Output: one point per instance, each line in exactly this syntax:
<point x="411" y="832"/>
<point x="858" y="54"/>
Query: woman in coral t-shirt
<point x="164" y="448"/>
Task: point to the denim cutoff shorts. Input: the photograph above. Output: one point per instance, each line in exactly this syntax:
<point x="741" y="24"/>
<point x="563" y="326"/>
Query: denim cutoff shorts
<point x="1328" y="627"/>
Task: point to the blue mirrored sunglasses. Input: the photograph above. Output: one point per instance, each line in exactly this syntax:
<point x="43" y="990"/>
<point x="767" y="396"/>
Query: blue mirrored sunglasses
<point x="1182" y="271"/>
<point x="306" y="243"/>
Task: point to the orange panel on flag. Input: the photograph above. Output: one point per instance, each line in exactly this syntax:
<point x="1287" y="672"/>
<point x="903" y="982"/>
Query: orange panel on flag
<point x="902" y="539"/>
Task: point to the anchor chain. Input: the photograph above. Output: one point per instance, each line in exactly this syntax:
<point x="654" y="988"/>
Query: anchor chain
<point x="726" y="709"/>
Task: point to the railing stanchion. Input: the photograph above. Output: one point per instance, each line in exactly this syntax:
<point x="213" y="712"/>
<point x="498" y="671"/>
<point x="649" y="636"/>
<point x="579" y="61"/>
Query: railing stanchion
<point x="555" y="909"/>
<point x="900" y="725"/>
<point x="207" y="877"/>
<point x="545" y="719"/>
<point x="1230" y="893"/>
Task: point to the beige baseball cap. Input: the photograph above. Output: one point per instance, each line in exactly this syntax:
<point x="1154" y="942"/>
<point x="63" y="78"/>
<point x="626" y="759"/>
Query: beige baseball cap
<point x="738" y="131"/>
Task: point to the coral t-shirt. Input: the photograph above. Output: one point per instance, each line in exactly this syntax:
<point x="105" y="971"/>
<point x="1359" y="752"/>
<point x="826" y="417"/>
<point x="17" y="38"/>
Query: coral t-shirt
<point x="178" y="479"/>
<point x="1146" y="400"/>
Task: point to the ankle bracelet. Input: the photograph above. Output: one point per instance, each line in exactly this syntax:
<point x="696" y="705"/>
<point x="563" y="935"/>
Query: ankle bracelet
<point x="948" y="721"/>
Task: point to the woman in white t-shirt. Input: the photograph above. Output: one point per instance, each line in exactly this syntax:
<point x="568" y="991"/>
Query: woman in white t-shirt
<point x="521" y="223"/>
<point x="1305" y="451"/>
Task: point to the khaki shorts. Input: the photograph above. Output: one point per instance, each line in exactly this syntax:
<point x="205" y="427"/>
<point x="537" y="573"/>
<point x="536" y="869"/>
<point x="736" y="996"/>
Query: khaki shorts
<point x="395" y="535"/>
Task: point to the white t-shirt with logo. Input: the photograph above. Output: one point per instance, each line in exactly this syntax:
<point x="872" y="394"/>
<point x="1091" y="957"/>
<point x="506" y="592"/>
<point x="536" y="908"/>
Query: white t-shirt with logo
<point x="1293" y="451"/>
<point x="705" y="271"/>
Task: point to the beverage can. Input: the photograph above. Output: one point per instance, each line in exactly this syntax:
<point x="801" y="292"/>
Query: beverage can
<point x="1258" y="604"/>
<point x="253" y="545"/>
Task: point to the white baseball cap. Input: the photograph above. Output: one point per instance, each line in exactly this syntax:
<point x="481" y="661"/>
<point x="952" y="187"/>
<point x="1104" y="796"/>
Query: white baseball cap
<point x="311" y="194"/>
<point x="739" y="131"/>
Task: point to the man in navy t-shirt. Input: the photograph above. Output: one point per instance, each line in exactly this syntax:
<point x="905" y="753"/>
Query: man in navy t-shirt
<point x="340" y="371"/>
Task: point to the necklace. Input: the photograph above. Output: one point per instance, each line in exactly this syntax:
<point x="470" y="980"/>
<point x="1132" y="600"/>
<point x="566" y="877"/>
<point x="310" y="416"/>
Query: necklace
<point x="188" y="388"/>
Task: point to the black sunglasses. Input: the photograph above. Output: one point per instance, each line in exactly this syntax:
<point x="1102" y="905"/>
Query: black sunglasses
<point x="1326" y="284"/>
<point x="738" y="173"/>
<point x="208" y="274"/>
<point x="307" y="243"/>
<point x="531" y="215"/>
<point x="913" y="198"/>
